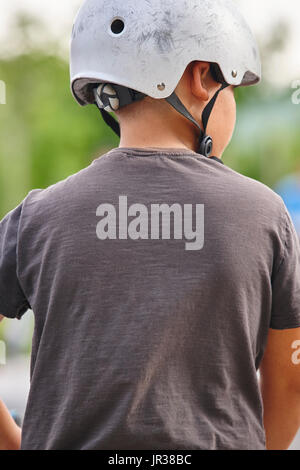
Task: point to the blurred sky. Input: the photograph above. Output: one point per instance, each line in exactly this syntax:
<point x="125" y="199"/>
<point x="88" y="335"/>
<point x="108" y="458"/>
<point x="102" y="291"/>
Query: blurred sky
<point x="262" y="15"/>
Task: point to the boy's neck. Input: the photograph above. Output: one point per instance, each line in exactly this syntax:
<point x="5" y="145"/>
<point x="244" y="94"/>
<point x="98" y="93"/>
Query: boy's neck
<point x="155" y="136"/>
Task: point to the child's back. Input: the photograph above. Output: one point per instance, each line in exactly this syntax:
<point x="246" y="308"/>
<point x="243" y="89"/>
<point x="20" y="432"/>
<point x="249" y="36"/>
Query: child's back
<point x="147" y="343"/>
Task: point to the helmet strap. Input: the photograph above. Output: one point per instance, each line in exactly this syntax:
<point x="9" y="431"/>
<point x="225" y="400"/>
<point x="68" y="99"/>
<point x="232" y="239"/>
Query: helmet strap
<point x="205" y="141"/>
<point x="110" y="121"/>
<point x="124" y="95"/>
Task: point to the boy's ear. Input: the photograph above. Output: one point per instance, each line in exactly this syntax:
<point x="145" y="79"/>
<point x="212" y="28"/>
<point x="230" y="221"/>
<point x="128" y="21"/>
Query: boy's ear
<point x="200" y="75"/>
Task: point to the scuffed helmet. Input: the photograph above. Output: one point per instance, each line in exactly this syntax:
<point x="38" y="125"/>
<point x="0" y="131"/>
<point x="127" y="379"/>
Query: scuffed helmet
<point x="122" y="51"/>
<point x="146" y="45"/>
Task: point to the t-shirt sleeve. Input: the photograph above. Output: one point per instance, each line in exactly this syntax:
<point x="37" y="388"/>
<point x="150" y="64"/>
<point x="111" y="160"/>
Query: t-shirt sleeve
<point x="13" y="303"/>
<point x="286" y="282"/>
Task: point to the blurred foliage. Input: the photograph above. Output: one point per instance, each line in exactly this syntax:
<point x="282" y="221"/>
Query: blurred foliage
<point x="46" y="136"/>
<point x="266" y="144"/>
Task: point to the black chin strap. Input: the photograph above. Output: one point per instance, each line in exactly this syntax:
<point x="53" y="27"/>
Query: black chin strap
<point x="124" y="95"/>
<point x="205" y="141"/>
<point x="110" y="121"/>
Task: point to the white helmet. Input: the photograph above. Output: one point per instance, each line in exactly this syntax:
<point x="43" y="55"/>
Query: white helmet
<point x="135" y="48"/>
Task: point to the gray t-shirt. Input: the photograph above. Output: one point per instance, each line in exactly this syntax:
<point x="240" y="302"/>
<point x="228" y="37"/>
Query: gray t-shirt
<point x="147" y="336"/>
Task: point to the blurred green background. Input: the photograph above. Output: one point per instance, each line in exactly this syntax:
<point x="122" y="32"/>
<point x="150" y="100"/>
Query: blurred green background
<point x="45" y="136"/>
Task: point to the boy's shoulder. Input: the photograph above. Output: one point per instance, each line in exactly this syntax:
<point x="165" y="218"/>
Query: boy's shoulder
<point x="248" y="189"/>
<point x="62" y="191"/>
<point x="230" y="187"/>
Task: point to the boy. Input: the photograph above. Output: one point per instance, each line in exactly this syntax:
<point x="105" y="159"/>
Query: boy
<point x="160" y="279"/>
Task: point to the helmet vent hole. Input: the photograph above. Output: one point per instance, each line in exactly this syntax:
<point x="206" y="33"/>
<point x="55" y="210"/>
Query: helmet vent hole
<point x="117" y="26"/>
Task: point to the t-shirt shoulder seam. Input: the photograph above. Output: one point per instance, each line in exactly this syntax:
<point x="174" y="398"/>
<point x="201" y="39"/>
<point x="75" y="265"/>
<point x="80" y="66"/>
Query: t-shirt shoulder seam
<point x="18" y="274"/>
<point x="154" y="155"/>
<point x="170" y="156"/>
<point x="285" y="244"/>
